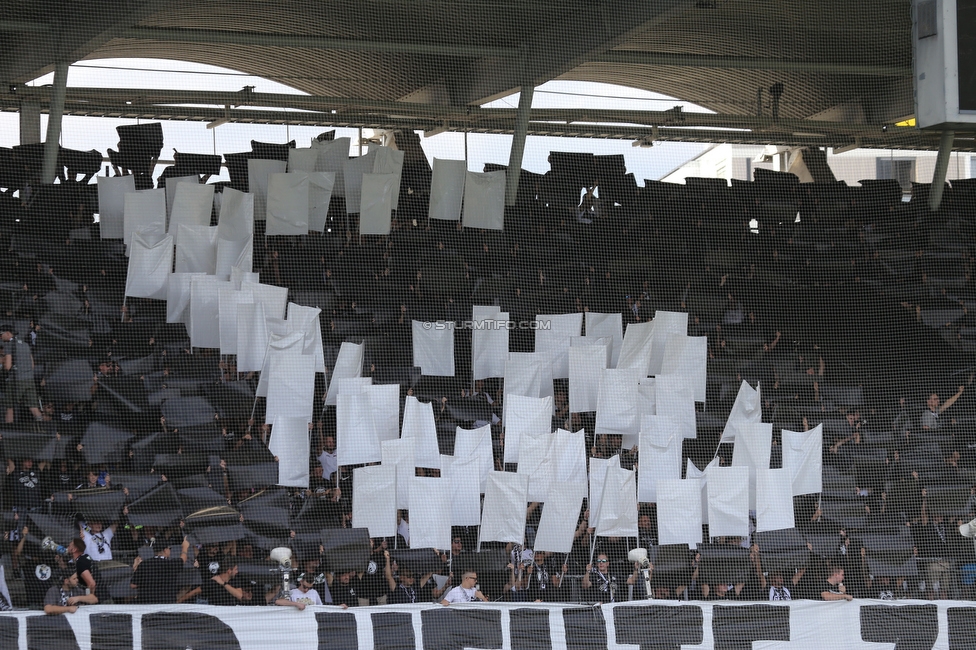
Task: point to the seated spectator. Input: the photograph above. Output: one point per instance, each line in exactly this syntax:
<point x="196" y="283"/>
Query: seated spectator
<point x="64" y="599"/>
<point x="465" y="592"/>
<point x="346" y="589"/>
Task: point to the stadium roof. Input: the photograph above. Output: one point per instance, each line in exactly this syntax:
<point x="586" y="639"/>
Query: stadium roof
<point x="844" y="68"/>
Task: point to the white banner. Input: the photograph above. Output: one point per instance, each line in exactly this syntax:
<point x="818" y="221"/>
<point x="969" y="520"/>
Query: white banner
<point x="302" y="160"/>
<point x="236" y="221"/>
<point x="685" y="357"/>
<point x="192" y="206"/>
<point x="291" y="386"/>
<point x="287" y="212"/>
<point x="679" y="509"/>
<point x="390" y="161"/>
<point x="349" y="363"/>
<point x="752" y="449"/>
<point x="503" y="517"/>
<point x="196" y="249"/>
<point x="618" y="509"/>
<point x="376" y="203"/>
<point x="598" y="477"/>
<point x="728" y="501"/>
<point x="611" y="325"/>
<point x="320" y="189"/>
<point x="149" y="267"/>
<point x="803" y="456"/>
<point x="433" y="348"/>
<point x="430" y="513"/>
<point x="635" y="350"/>
<point x="527" y="374"/>
<point x="665" y="323"/>
<point x="204" y="323"/>
<point x="178" y="297"/>
<point x="526" y="415"/>
<point x="419" y="425"/>
<point x="373" y="502"/>
<point x="746" y="409"/>
<point x="356" y="441"/>
<point x="774" y="500"/>
<point x="569" y="457"/>
<point x="111" y="204"/>
<point x="399" y="455"/>
<point x="233" y="254"/>
<point x="143" y="210"/>
<point x="616" y="408"/>
<point x="446" y="189"/>
<point x="352" y="171"/>
<point x="273" y="298"/>
<point x="586" y="366"/>
<point x="553" y="336"/>
<point x="489" y="347"/>
<point x="484" y="200"/>
<point x="674" y="399"/>
<point x="171" y="184"/>
<point x="536" y="464"/>
<point x="465" y="488"/>
<point x="332" y="157"/>
<point x="561" y="511"/>
<point x="228" y="300"/>
<point x="252" y="336"/>
<point x="258" y="173"/>
<point x="302" y="318"/>
<point x="476" y="442"/>
<point x="384" y="400"/>
<point x="660" y="455"/>
<point x="692" y="472"/>
<point x="290" y="445"/>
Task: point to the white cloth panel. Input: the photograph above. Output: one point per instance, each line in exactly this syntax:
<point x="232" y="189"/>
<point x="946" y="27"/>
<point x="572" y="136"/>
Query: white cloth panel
<point x="320" y="188"/>
<point x="273" y="298"/>
<point x="803" y="456"/>
<point x="418" y="424"/>
<point x="196" y="249"/>
<point x="752" y="449"/>
<point x="111" y="204"/>
<point x="332" y="157"/>
<point x="484" y="200"/>
<point x="569" y="457"/>
<point x="465" y="489"/>
<point x="376" y="203"/>
<point x="618" y="512"/>
<point x="554" y="339"/>
<point x="290" y="443"/>
<point x="352" y="173"/>
<point x="599" y="325"/>
<point x="233" y="254"/>
<point x="433" y="348"/>
<point x="252" y="336"/>
<point x="236" y="220"/>
<point x="616" y="408"/>
<point x="679" y="512"/>
<point x="647" y="396"/>
<point x="384" y="400"/>
<point x="665" y="323"/>
<point x="692" y="472"/>
<point x="349" y="363"/>
<point x="305" y="319"/>
<point x="660" y="455"/>
<point x="581" y="341"/>
<point x="228" y="299"/>
<point x="178" y="297"/>
<point x="192" y="206"/>
<point x="557" y="525"/>
<point x="476" y="442"/>
<point x="240" y="276"/>
<point x="149" y="267"/>
<point x="674" y="399"/>
<point x="373" y="505"/>
<point x="503" y="517"/>
<point x="728" y="501"/>
<point x="204" y="322"/>
<point x="526" y="415"/>
<point x="291" y="387"/>
<point x="430" y="513"/>
<point x="356" y="441"/>
<point x="598" y="476"/>
<point x="635" y="350"/>
<point x="489" y="347"/>
<point x="774" y="500"/>
<point x="685" y="357"/>
<point x="287" y="212"/>
<point x="143" y="210"/>
<point x="171" y="184"/>
<point x="399" y="454"/>
<point x="390" y="161"/>
<point x="446" y="189"/>
<point x="258" y="173"/>
<point x="302" y="160"/>
<point x="586" y="366"/>
<point x="536" y="464"/>
<point x="527" y="374"/>
<point x="746" y="409"/>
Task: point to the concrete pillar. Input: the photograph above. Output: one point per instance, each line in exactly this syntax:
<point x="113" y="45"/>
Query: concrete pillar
<point x="518" y="144"/>
<point x="55" y="111"/>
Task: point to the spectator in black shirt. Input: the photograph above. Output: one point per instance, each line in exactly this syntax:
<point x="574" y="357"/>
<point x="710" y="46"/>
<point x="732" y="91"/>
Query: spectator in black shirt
<point x="83" y="564"/>
<point x="219" y="590"/>
<point x="346" y="588"/>
<point x="27" y="488"/>
<point x="157" y="579"/>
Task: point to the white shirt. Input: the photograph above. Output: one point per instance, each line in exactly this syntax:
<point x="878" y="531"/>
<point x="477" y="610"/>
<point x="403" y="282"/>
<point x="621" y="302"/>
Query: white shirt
<point x="461" y="595"/>
<point x="311" y="597"/>
<point x="329" y="463"/>
<point x="98" y="545"/>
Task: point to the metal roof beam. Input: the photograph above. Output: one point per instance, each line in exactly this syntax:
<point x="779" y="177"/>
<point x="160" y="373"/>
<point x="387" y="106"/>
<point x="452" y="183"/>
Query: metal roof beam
<point x="636" y="57"/>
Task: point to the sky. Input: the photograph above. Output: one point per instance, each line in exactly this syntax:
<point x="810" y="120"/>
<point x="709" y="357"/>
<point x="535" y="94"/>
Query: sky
<point x="193" y="137"/>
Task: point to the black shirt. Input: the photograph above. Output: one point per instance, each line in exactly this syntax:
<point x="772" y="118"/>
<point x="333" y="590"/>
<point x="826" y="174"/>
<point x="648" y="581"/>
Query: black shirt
<point x="157" y="580"/>
<point x="82" y="564"/>
<point x="347" y="594"/>
<point x="217" y="594"/>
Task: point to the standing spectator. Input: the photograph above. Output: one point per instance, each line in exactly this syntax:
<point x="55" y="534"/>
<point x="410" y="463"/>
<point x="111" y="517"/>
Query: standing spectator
<point x="935" y="407"/>
<point x="834" y="588"/>
<point x="19" y="363"/>
<point x="600" y="581"/>
<point x="466" y="592"/>
<point x="303" y="595"/>
<point x="157" y="579"/>
<point x="98" y="539"/>
<point x="219" y="590"/>
<point x="83" y="565"/>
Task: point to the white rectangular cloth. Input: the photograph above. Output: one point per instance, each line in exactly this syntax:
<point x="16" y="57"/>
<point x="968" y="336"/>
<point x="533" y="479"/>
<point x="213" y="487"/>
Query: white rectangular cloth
<point x="233" y="253"/>
<point x="557" y="525"/>
<point x="228" y="300"/>
<point x="476" y="442"/>
<point x="774" y="500"/>
<point x="252" y="336"/>
<point x="526" y="416"/>
<point x="320" y="188"/>
<point x="290" y="444"/>
<point x="352" y="173"/>
<point x="598" y="476"/>
<point x="552" y="337"/>
<point x="430" y="513"/>
<point x="600" y="325"/>
<point x="489" y="346"/>
<point x="258" y="173"/>
<point x="635" y="351"/>
<point x="586" y="366"/>
<point x="433" y="347"/>
<point x="291" y="386"/>
<point x="503" y="516"/>
<point x="616" y="408"/>
<point x="604" y="341"/>
<point x="192" y="206"/>
<point x="692" y="472"/>
<point x="178" y="297"/>
<point x="752" y="449"/>
<point x="660" y="455"/>
<point x="273" y="298"/>
<point x="171" y="184"/>
<point x="332" y="157"/>
<point x="143" y="210"/>
<point x="465" y="489"/>
<point x="373" y="500"/>
<point x="236" y="219"/>
<point x="376" y="203"/>
<point x="728" y="501"/>
<point x="536" y="464"/>
<point x="384" y="400"/>
<point x="484" y="200"/>
<point x="390" y="161"/>
<point x="528" y="374"/>
<point x="666" y="323"/>
<point x="674" y="398"/>
<point x="746" y="409"/>
<point x="679" y="512"/>
<point x="569" y="457"/>
<point x="803" y="456"/>
<point x="149" y="267"/>
<point x="399" y="455"/>
<point x="204" y="322"/>
<point x="418" y="425"/>
<point x="306" y="319"/>
<point x="302" y="160"/>
<point x="287" y="212"/>
<point x="685" y="357"/>
<point x="111" y="204"/>
<point x="349" y="363"/>
<point x="647" y="396"/>
<point x="446" y="189"/>
<point x="196" y="249"/>
<point x="356" y="441"/>
<point x="618" y="511"/>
